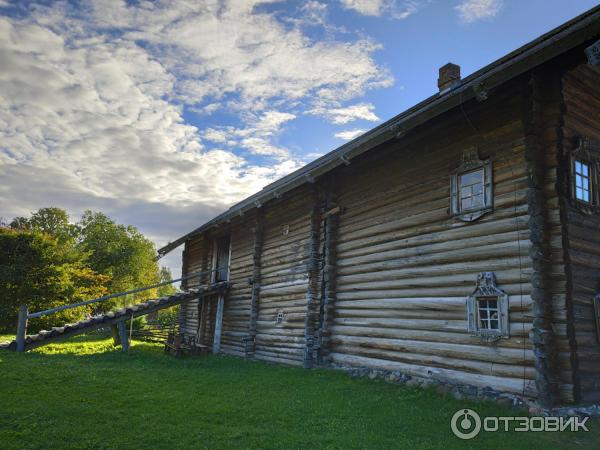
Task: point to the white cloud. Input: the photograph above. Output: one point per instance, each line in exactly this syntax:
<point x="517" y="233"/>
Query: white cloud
<point x="92" y="102"/>
<point x="341" y="116"/>
<point x="395" y="9"/>
<point x="348" y="135"/>
<point x="474" y="10"/>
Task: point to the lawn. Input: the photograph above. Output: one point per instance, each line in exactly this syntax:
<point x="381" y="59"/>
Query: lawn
<point x="85" y="393"/>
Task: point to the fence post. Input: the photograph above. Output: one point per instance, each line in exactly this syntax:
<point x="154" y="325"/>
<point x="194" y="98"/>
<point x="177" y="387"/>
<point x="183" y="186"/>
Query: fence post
<point x="114" y="331"/>
<point x="218" y="325"/>
<point x="124" y="336"/>
<point x="21" y="328"/>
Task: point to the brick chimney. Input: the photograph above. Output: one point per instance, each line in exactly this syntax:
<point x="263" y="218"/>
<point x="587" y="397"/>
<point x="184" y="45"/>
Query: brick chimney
<point x="449" y="77"/>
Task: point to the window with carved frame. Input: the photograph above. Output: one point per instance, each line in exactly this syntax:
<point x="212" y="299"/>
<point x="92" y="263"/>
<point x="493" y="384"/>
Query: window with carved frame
<point x="487" y="309"/>
<point x="471" y="187"/>
<point x="584" y="176"/>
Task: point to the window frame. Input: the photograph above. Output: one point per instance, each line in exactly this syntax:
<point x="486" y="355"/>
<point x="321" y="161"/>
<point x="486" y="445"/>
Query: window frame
<point x="586" y="152"/>
<point x="215" y="259"/>
<point x="486" y="289"/>
<point x="471" y="163"/>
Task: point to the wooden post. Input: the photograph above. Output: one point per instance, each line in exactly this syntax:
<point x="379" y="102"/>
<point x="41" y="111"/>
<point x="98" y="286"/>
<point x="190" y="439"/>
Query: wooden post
<point x="21" y="328"/>
<point x="124" y="336"/>
<point x="312" y="293"/>
<point x="114" y="331"/>
<point x="547" y="365"/>
<point x="218" y="324"/>
<point x="329" y="280"/>
<point x="254" y="303"/>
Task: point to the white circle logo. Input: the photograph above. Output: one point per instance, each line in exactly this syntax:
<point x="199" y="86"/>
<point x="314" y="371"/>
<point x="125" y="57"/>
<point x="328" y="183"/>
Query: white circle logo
<point x="465" y="424"/>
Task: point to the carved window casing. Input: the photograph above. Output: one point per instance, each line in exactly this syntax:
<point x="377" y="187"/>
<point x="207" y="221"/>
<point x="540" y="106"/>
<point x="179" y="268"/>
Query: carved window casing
<point x="584" y="176"/>
<point x="487" y="309"/>
<point x="471" y="187"/>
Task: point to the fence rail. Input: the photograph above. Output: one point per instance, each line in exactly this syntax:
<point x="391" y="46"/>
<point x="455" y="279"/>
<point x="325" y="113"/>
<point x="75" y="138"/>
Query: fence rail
<point x="24" y="314"/>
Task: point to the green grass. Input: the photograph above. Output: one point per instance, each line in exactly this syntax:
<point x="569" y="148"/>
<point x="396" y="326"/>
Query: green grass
<point x="85" y="393"/>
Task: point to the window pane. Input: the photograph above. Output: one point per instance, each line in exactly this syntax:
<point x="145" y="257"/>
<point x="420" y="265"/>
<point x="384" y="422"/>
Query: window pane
<point x="586" y="196"/>
<point x="577" y="167"/>
<point x="471" y="178"/>
<point x="578" y="181"/>
<point x="579" y="193"/>
<point x="466" y="203"/>
<point x="494" y="325"/>
<point x="477" y="201"/>
<point x="584" y="170"/>
<point x="466" y="192"/>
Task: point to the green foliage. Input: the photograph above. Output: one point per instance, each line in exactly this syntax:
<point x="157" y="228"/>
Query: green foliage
<point x="51" y="221"/>
<point x="85" y="393"/>
<point x="167" y="289"/>
<point x="46" y="261"/>
<point x="119" y="252"/>
<point x="38" y="270"/>
<point x="168" y="317"/>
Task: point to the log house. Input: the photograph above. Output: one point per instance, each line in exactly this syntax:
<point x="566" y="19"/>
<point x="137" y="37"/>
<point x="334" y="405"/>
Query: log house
<point x="458" y="241"/>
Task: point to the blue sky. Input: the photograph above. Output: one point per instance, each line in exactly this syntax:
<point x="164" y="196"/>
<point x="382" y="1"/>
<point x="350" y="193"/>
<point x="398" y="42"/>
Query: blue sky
<point x="162" y="114"/>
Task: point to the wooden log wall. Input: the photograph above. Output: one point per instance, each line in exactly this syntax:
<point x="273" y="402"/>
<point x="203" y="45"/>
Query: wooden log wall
<point x="256" y="280"/>
<point x="237" y="311"/>
<point x="405" y="267"/>
<point x="581" y="92"/>
<point x="284" y="279"/>
<point x="196" y="253"/>
<point x="383" y="283"/>
<point x="541" y="121"/>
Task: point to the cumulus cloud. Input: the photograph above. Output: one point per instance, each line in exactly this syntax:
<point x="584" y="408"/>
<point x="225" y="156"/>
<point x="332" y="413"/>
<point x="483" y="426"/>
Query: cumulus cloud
<point x="341" y="116"/>
<point x="348" y="135"/>
<point x="474" y="10"/>
<point x="396" y="9"/>
<point x="93" y="102"/>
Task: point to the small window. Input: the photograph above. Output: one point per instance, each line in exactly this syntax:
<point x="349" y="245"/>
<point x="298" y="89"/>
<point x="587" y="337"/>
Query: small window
<point x="471" y="190"/>
<point x="489" y="313"/>
<point x="487" y="309"/>
<point x="471" y="187"/>
<point x="584" y="177"/>
<point x="582" y="181"/>
<point x="280" y="317"/>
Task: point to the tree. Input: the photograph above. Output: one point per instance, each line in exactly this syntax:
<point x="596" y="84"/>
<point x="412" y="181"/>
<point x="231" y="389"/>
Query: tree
<point x="167" y="289"/>
<point x="119" y="252"/>
<point x="52" y="221"/>
<point x="38" y="270"/>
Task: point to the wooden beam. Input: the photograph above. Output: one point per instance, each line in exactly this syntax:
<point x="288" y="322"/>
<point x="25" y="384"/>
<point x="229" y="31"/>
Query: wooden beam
<point x="124" y="336"/>
<point x="218" y="324"/>
<point x="21" y="328"/>
<point x="312" y="293"/>
<point x="547" y="364"/>
<point x="329" y="278"/>
<point x="256" y="272"/>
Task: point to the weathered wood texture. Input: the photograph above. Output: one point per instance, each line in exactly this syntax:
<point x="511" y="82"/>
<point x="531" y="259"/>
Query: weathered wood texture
<point x="581" y="91"/>
<point x="405" y="268"/>
<point x="236" y="315"/>
<point x="196" y="255"/>
<point x="284" y="278"/>
<point x="541" y="121"/>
